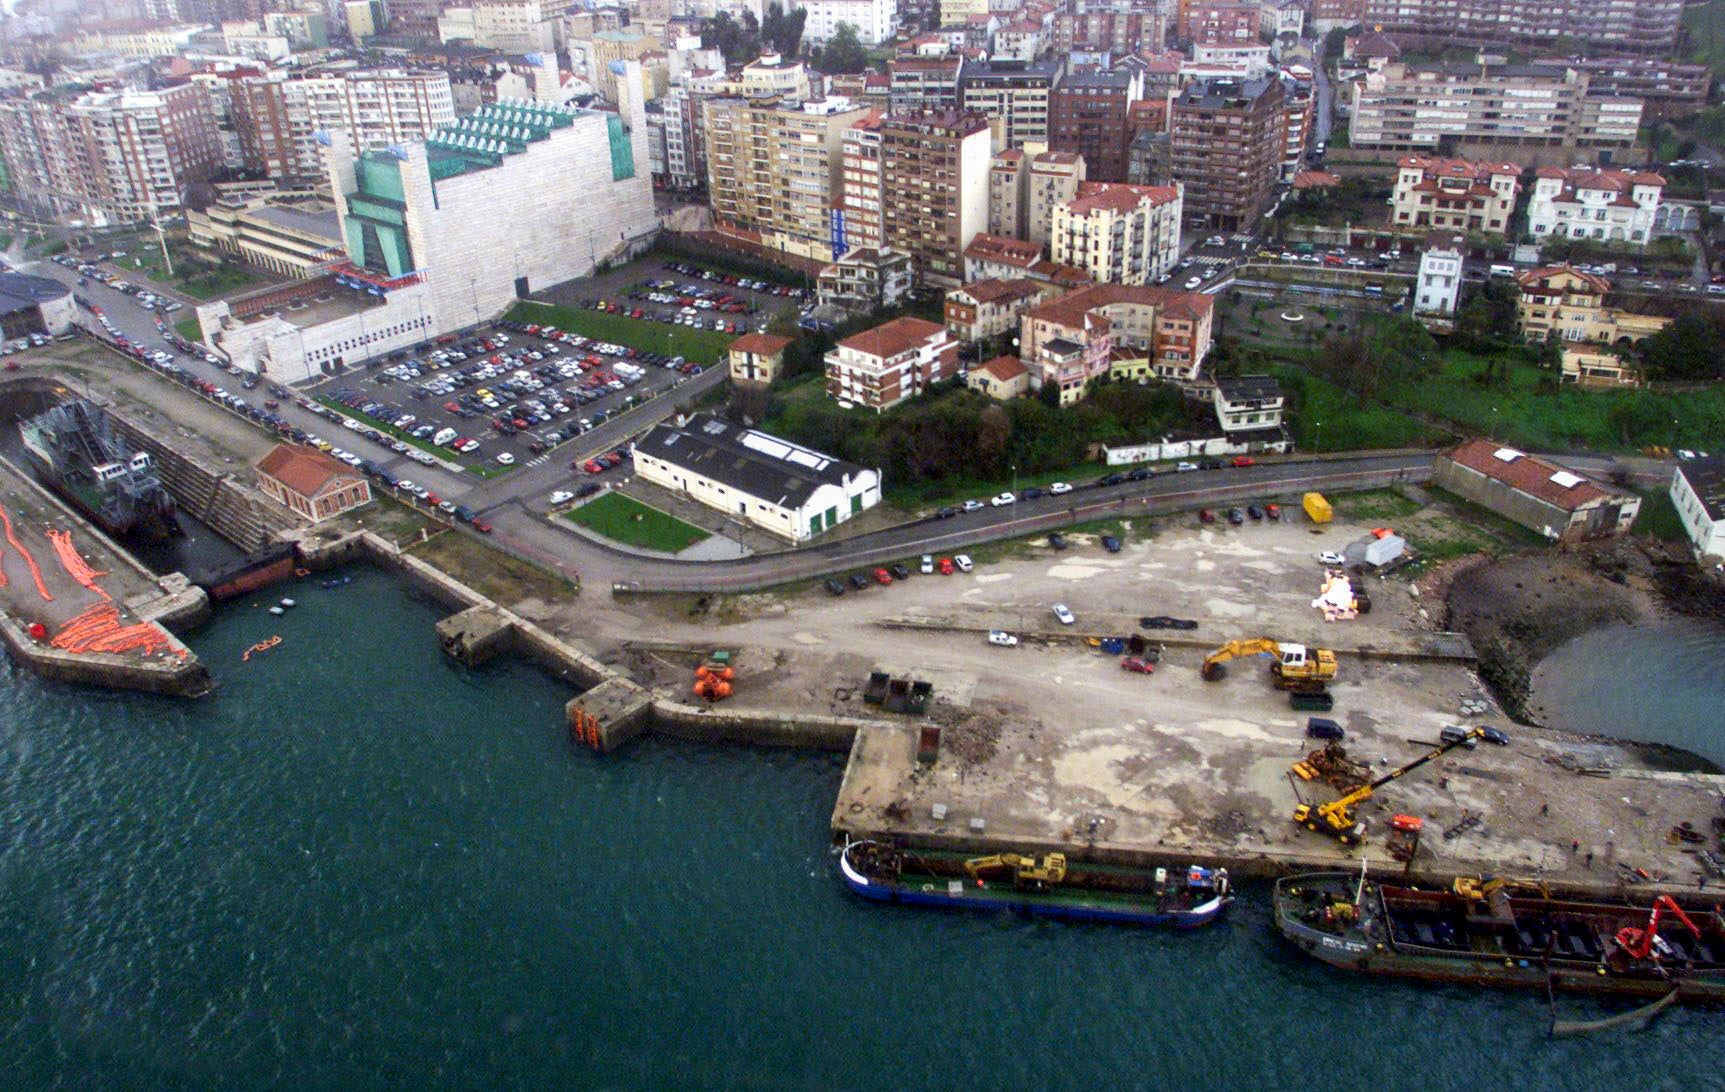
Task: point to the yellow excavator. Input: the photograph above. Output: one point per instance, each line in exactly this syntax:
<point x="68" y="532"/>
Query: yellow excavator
<point x="1337" y="819"/>
<point x="1035" y="873"/>
<point x="1295" y="667"/>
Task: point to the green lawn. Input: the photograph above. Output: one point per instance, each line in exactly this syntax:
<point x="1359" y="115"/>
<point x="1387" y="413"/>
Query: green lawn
<point x="1324" y="417"/>
<point x="1705" y="24"/>
<point x="195" y="272"/>
<point x="626" y="520"/>
<point x="702" y="346"/>
<point x="188" y="328"/>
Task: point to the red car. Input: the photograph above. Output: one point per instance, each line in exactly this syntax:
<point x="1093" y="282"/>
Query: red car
<point x="1245" y="460"/>
<point x="946" y="566"/>
<point x="1142" y="667"/>
<point x="881" y="576"/>
<point x="593" y="466"/>
<point x="480" y="525"/>
<point x="433" y="500"/>
<point x="1206" y="516"/>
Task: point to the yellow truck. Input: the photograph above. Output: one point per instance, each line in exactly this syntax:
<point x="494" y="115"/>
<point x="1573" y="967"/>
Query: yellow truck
<point x="1317" y="508"/>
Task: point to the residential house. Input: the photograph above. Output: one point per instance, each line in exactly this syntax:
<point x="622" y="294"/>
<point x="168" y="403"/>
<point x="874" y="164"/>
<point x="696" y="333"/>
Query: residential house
<point x="757" y="358"/>
<point x="1071" y="341"/>
<point x="991" y="308"/>
<point x="1584" y="203"/>
<point x="1438" y="285"/>
<point x="1562" y="302"/>
<point x="995" y="256"/>
<point x="1002" y="378"/>
<point x="897" y="360"/>
<point x="1432" y="192"/>
<point x="865" y="280"/>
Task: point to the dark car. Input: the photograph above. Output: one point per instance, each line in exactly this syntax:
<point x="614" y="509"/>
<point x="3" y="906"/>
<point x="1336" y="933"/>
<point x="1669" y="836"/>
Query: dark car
<point x="946" y="513"/>
<point x="1112" y="479"/>
<point x="1206" y="516"/>
<point x="834" y="587"/>
<point x="1323" y="728"/>
<point x="1236" y="516"/>
<point x="1057" y="540"/>
<point x="859" y="581"/>
<point x="587" y="489"/>
<point x="1111" y="544"/>
<point x="1493" y="735"/>
<point x="1162" y="621"/>
<point x="899" y="571"/>
<point x="1212" y="464"/>
<point x="1254" y="511"/>
<point x="1140" y="474"/>
<point x="1030" y="494"/>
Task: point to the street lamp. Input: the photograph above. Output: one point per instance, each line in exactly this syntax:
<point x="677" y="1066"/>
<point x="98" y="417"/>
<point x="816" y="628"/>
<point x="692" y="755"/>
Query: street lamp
<point x="1015" y="479"/>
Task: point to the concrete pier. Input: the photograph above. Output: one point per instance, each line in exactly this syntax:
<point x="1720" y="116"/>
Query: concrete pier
<point x="609" y="715"/>
<point x="475" y="635"/>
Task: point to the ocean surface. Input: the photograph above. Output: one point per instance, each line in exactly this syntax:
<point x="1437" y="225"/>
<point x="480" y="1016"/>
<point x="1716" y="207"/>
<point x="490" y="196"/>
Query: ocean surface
<point x="359" y="866"/>
<point x="1661" y="682"/>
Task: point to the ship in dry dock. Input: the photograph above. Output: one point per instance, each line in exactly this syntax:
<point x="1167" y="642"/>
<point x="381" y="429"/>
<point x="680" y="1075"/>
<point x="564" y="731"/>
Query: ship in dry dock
<point x="1493" y="933"/>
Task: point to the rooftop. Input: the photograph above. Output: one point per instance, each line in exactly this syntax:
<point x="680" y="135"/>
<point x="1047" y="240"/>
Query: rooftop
<point x="1248" y="388"/>
<point x="1003" y="368"/>
<point x="889" y="339"/>
<point x="760" y="344"/>
<point x="995" y="290"/>
<point x="1530" y="474"/>
<point x="315" y="219"/>
<point x="998" y="248"/>
<point x="305" y="470"/>
<point x="20" y="291"/>
<point x="754" y="462"/>
<point x="1707" y="477"/>
<point x="1120" y="196"/>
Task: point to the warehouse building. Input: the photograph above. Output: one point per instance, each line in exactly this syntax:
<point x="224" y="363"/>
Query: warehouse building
<point x="1540" y="495"/>
<point x="34" y="305"/>
<point x="1698" y="493"/>
<point x="786" y="489"/>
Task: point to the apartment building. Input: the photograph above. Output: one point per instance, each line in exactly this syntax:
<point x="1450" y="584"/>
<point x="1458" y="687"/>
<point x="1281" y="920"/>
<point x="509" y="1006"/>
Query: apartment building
<point x="924" y="84"/>
<point x="897" y="360"/>
<point x="1119" y="27"/>
<point x="1485" y="109"/>
<point x="857" y="220"/>
<point x="865" y="279"/>
<point x="1212" y="22"/>
<point x="135" y="37"/>
<point x="1644" y="27"/>
<point x="108" y="157"/>
<point x="1007" y="175"/>
<point x="1118" y="233"/>
<point x="1666" y="88"/>
<point x="1053" y="180"/>
<point x="1432" y="192"/>
<point x="277" y="116"/>
<point x="938" y="167"/>
<point x="1074" y="340"/>
<point x="991" y="308"/>
<point x="873" y="19"/>
<point x="996" y="256"/>
<point x="1438" y="285"/>
<point x="1298" y="105"/>
<point x="1016" y="92"/>
<point x="1327" y="15"/>
<point x="1611" y="205"/>
<point x="1563" y="303"/>
<point x="1226" y="149"/>
<point x="685" y="138"/>
<point x="774" y="171"/>
<point x="1088" y="116"/>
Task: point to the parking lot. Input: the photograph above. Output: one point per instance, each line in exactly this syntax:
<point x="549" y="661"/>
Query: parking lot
<point x="680" y="293"/>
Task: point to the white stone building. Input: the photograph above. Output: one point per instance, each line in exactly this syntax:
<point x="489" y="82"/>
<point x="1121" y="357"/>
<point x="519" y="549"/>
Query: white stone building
<point x="1698" y="494"/>
<point x="784" y="488"/>
<point x="1439" y="283"/>
<point x="1589" y="203"/>
<point x="873" y="19"/>
<point x="1118" y="233"/>
<point x="445" y="234"/>
<point x="1248" y="404"/>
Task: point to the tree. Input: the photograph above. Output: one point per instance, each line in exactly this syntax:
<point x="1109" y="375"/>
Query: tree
<point x="843" y="53"/>
<point x="1487" y="321"/>
<point x="1691" y="348"/>
<point x="782" y="32"/>
<point x="736" y="41"/>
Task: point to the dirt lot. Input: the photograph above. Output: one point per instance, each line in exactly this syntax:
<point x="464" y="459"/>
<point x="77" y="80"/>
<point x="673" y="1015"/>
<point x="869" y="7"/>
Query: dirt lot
<point x="1051" y="743"/>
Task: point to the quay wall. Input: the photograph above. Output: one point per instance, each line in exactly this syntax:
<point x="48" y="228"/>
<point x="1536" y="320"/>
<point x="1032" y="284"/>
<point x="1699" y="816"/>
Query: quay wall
<point x="169" y="674"/>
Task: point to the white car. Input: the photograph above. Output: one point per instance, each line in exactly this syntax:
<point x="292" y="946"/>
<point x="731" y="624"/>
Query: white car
<point x="1181" y="468"/>
<point x="1330" y="557"/>
<point x="1002" y="500"/>
<point x="963" y="562"/>
<point x="1059" y="487"/>
<point x="927" y="566"/>
<point x="1064" y="615"/>
<point x="506" y="459"/>
<point x="972" y="505"/>
<point x="1002" y="638"/>
<point x="562" y="496"/>
<point x="1193" y="282"/>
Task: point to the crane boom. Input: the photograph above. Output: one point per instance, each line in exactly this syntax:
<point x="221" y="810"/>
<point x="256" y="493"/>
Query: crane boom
<point x="1336" y="818"/>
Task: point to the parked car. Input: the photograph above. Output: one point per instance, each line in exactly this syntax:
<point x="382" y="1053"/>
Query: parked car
<point x="859" y="581"/>
<point x="1059" y="488"/>
<point x="1002" y="638"/>
<point x="1063" y="615"/>
<point x="927" y="565"/>
<point x="881" y="576"/>
<point x="946" y="566"/>
<point x="899" y="571"/>
<point x="1057" y="540"/>
<point x="973" y="506"/>
<point x="1323" y="728"/>
<point x="1111" y="544"/>
<point x="562" y="496"/>
<point x="1493" y="735"/>
<point x="1244" y="461"/>
<point x="1254" y="511"/>
<point x="1206" y="516"/>
<point x="1453" y="733"/>
<point x="1141" y="666"/>
<point x="1236" y="516"/>
<point x="1273" y="511"/>
<point x="963" y="562"/>
<point x="1330" y="557"/>
<point x="834" y="587"/>
<point x="945" y="513"/>
<point x="1002" y="499"/>
<point x="1184" y="467"/>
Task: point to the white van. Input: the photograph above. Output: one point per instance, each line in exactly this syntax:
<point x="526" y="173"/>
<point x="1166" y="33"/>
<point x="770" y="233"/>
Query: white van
<point x="443" y="436"/>
<point x="1503" y="270"/>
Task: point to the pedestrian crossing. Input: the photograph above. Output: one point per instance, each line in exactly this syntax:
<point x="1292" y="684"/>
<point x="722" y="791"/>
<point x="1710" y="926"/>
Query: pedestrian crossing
<point x="538" y="459"/>
<point x="1208" y="260"/>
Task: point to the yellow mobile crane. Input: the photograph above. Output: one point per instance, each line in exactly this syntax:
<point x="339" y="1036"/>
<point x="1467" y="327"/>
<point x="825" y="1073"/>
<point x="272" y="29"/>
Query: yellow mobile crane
<point x="1295" y="667"/>
<point x="1337" y="817"/>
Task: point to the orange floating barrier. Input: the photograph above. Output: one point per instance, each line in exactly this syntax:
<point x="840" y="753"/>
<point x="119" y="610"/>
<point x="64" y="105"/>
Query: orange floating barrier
<point x="261" y="646"/>
<point x="28" y="560"/>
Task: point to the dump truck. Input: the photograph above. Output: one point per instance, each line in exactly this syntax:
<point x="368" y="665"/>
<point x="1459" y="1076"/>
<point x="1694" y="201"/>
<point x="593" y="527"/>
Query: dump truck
<point x="1317" y="508"/>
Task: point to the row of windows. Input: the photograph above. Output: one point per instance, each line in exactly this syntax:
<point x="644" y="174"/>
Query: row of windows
<point x="370" y="337"/>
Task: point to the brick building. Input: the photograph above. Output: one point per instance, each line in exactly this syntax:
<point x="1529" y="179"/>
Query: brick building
<point x="1226" y="149"/>
<point x="938" y="164"/>
<point x="1088" y="116"/>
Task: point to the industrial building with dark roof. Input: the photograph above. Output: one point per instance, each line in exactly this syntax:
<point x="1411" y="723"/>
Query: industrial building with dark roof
<point x="34" y="305"/>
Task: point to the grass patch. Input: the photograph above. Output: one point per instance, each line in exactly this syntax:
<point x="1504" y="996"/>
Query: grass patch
<point x="499" y="576"/>
<point x="394" y="520"/>
<point x="1374" y="504"/>
<point x="1658" y="516"/>
<point x="195" y="273"/>
<point x="625" y="519"/>
<point x="188" y="328"/>
<point x="1324" y="417"/>
<point x="703" y="346"/>
<point x="1705" y="27"/>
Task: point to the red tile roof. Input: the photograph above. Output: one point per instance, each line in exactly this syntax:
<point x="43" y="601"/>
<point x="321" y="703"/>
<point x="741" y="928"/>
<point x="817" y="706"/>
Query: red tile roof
<point x="1533" y="276"/>
<point x="998" y="248"/>
<point x="304" y="470"/>
<point x="1529" y="474"/>
<point x="1071" y="309"/>
<point x="995" y="290"/>
<point x="760" y="344"/>
<point x="1120" y="196"/>
<point x="1316" y="180"/>
<point x="1004" y="368"/>
<point x="892" y="338"/>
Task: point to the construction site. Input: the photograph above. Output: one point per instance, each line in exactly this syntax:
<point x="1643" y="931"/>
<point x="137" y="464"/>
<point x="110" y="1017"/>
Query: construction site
<point x="1168" y="723"/>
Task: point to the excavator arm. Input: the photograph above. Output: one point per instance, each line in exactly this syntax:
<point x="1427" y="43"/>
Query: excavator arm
<point x="1638" y="943"/>
<point x="1212" y="668"/>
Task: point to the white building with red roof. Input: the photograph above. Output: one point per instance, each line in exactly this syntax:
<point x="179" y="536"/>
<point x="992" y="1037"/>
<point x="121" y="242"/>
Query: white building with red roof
<point x="881" y="367"/>
<point x="1432" y="192"/>
<point x="1590" y="203"/>
<point x="1119" y="233"/>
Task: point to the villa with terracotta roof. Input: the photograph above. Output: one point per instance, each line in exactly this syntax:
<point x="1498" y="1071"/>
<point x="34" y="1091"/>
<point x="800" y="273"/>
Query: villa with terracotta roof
<point x="1563" y="303"/>
<point x="1588" y="203"/>
<point x="896" y="360"/>
<point x="311" y="484"/>
<point x="1432" y="192"/>
<point x="1078" y="338"/>
<point x="1119" y="233"/>
<point x="997" y="256"/>
<point x="757" y="358"/>
<point x="990" y="308"/>
<point x="1003" y="378"/>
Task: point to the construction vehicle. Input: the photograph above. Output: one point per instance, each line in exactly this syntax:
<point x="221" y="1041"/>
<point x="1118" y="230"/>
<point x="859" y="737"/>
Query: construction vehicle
<point x="1481" y="889"/>
<point x="1332" y="764"/>
<point x="1295" y="667"/>
<point x="1034" y="873"/>
<point x="1644" y="943"/>
<point x="1404" y="839"/>
<point x="1337" y="819"/>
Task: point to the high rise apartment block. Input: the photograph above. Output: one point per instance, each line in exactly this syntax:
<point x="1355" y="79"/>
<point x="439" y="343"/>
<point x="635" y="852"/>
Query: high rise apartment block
<point x="1226" y="146"/>
<point x="936" y="165"/>
<point x="1016" y="92"/>
<point x="1088" y="116"/>
<point x="1646" y="27"/>
<point x="278" y="116"/>
<point x="1118" y="234"/>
